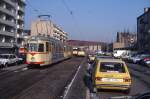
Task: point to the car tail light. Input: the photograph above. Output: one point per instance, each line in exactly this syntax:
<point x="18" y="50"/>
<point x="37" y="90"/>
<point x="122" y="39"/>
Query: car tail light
<point x="98" y="78"/>
<point x="126" y="79"/>
<point x="146" y="59"/>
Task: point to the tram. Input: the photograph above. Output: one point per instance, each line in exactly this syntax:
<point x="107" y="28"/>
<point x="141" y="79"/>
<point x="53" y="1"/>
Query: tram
<point x="78" y="51"/>
<point x="81" y="52"/>
<point x="42" y="50"/>
<point x="75" y="51"/>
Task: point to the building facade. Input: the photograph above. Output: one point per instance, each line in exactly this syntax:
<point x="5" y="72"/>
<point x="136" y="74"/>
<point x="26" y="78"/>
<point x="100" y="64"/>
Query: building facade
<point x="11" y="22"/>
<point x="20" y="12"/>
<point x="143" y="31"/>
<point x="125" y="39"/>
<point x="90" y="46"/>
<point x="48" y="28"/>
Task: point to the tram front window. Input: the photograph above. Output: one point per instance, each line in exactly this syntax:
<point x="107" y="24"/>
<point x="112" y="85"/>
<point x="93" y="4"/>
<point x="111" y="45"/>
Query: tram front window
<point x="32" y="47"/>
<point x="35" y="47"/>
<point x="41" y="48"/>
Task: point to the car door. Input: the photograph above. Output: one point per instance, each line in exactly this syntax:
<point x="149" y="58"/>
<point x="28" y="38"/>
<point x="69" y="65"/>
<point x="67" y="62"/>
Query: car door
<point x="14" y="59"/>
<point x="10" y="59"/>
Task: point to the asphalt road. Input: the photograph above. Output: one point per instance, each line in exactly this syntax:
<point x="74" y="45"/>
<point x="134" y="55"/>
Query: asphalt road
<point x="65" y="80"/>
<point x="81" y="88"/>
<point x="38" y="83"/>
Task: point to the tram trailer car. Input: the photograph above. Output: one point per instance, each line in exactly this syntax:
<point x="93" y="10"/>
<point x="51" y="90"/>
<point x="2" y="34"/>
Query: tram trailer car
<point x="81" y="52"/>
<point x="45" y="50"/>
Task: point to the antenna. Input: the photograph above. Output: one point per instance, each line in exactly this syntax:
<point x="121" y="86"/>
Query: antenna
<point x="46" y="18"/>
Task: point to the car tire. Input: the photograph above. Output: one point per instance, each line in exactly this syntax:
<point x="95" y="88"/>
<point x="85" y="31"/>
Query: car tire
<point x="16" y="63"/>
<point x="6" y="65"/>
<point x="134" y="62"/>
<point x="127" y="91"/>
<point x="94" y="89"/>
<point x="148" y="65"/>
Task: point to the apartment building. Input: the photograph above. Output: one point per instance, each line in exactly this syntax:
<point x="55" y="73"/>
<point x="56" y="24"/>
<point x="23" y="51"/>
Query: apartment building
<point x="48" y="28"/>
<point x="143" y="31"/>
<point x="20" y="14"/>
<point x="11" y="23"/>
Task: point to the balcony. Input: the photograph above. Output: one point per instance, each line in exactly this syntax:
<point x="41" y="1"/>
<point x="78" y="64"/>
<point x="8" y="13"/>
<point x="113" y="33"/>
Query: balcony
<point x="7" y="33"/>
<point x="8" y="23"/>
<point x="20" y="9"/>
<point x="10" y="3"/>
<point x="20" y="36"/>
<point x="4" y="10"/>
<point x="6" y="45"/>
<point x="20" y="18"/>
<point x="22" y="1"/>
<point x="20" y="27"/>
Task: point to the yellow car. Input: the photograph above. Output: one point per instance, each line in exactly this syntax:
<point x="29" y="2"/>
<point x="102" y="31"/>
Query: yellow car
<point x="75" y="52"/>
<point x="81" y="53"/>
<point x="111" y="74"/>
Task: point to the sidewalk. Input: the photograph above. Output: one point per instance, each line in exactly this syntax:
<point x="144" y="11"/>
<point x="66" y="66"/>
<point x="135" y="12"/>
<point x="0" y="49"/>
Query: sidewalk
<point x="12" y="68"/>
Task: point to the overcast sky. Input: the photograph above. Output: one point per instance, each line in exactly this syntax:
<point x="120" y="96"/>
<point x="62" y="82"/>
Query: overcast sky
<point x="94" y="20"/>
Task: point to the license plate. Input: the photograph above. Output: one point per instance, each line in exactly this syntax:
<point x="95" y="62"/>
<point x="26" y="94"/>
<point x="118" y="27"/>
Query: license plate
<point x="112" y="80"/>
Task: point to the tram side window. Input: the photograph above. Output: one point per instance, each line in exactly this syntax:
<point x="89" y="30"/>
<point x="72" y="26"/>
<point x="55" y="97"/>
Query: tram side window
<point x="50" y="47"/>
<point x="47" y="47"/>
<point x="41" y="48"/>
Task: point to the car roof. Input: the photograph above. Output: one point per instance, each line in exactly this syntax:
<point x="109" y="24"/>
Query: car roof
<point x="7" y="54"/>
<point x="108" y="57"/>
<point x="110" y="60"/>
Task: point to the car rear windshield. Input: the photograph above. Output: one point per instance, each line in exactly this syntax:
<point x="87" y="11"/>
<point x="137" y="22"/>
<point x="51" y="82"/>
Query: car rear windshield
<point x="112" y="67"/>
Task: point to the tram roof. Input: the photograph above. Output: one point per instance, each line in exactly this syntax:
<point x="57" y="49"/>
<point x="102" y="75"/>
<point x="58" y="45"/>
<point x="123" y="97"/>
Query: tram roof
<point x="44" y="38"/>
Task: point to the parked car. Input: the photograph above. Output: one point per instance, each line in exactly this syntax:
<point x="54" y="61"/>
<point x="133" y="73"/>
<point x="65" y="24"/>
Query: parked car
<point x="8" y="59"/>
<point x="137" y="58"/>
<point x="111" y="74"/>
<point x="21" y="58"/>
<point x="145" y="61"/>
<point x="91" y="58"/>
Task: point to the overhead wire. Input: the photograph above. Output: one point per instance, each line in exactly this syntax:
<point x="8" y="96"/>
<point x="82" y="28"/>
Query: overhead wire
<point x="39" y="13"/>
<point x="72" y="15"/>
<point x="66" y="6"/>
<point x="33" y="8"/>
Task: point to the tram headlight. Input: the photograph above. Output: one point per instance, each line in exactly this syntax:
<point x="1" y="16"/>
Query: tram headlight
<point x="32" y="59"/>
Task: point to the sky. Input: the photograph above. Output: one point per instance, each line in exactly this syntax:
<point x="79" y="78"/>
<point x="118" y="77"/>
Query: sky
<point x="90" y="20"/>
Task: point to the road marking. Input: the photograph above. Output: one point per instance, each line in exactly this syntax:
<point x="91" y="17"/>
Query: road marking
<point x="87" y="93"/>
<point x="69" y="86"/>
<point x="25" y="68"/>
<point x="16" y="71"/>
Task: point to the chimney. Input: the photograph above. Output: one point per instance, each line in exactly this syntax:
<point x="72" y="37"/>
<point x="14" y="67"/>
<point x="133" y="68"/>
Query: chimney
<point x="146" y="9"/>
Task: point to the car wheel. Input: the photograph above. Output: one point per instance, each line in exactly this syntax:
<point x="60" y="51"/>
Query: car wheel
<point x="134" y="62"/>
<point x="16" y="63"/>
<point x="6" y="65"/>
<point x="148" y="65"/>
<point x="94" y="89"/>
<point x="127" y="91"/>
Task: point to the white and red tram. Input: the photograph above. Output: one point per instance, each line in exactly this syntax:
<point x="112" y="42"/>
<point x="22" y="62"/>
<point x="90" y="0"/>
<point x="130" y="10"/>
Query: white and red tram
<point x="43" y="50"/>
